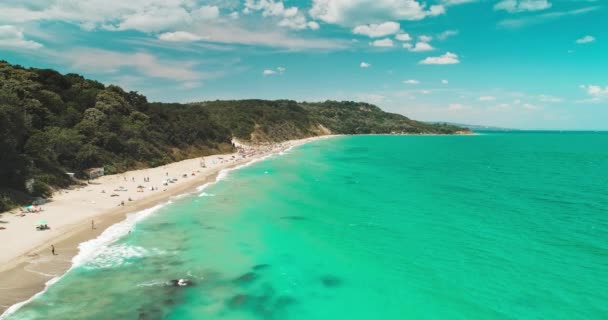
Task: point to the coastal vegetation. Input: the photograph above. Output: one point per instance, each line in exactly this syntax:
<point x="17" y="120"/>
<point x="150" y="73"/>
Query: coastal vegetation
<point x="52" y="124"/>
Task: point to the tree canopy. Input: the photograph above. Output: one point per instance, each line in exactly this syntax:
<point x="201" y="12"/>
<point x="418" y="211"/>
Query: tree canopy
<point x="51" y="124"/>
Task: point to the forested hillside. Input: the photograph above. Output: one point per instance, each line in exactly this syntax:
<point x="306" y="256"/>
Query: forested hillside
<point x="51" y="124"/>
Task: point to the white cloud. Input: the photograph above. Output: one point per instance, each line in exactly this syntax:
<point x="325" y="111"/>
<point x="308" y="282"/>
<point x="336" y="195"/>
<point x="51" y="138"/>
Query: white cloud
<point x="595" y="90"/>
<point x="162" y="16"/>
<point x="229" y="32"/>
<point x="513" y="6"/>
<point x="456" y="2"/>
<point x="424" y="38"/>
<point x="458" y="107"/>
<point x="313" y="25"/>
<point x="446" y="34"/>
<point x="528" y="106"/>
<point x="541" y="18"/>
<point x="141" y="15"/>
<point x="408" y="45"/>
<point x="548" y="98"/>
<point x="420" y="47"/>
<point x="98" y="60"/>
<point x="269" y="72"/>
<point x="444" y="81"/>
<point x="377" y="30"/>
<point x="179" y="36"/>
<point x="585" y="39"/>
<point x="403" y="37"/>
<point x="365" y="65"/>
<point x="290" y="17"/>
<point x="12" y="37"/>
<point x="356" y="12"/>
<point x="487" y="98"/>
<point x="411" y="81"/>
<point x="382" y="43"/>
<point x="447" y="58"/>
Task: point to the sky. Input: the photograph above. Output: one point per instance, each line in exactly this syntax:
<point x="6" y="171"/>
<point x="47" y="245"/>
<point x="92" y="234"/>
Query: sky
<point x="527" y="64"/>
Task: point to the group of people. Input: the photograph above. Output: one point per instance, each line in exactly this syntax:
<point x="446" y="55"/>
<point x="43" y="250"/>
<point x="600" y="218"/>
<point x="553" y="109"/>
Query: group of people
<point x="31" y="209"/>
<point x="43" y="227"/>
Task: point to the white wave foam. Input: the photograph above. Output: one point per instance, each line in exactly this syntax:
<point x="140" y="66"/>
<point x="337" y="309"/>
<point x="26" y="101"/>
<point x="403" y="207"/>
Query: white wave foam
<point x="205" y="194"/>
<point x="89" y="249"/>
<point x="117" y="255"/>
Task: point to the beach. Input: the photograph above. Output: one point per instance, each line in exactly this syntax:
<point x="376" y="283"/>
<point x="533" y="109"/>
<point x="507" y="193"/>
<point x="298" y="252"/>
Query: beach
<point x="84" y="212"/>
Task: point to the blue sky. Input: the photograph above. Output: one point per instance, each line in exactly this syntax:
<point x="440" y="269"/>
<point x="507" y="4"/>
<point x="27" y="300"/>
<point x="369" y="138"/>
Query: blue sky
<point x="530" y="64"/>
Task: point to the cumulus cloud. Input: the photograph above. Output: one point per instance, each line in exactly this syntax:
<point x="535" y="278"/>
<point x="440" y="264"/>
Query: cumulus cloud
<point x="595" y="90"/>
<point x="290" y="17"/>
<point x="162" y="16"/>
<point x="444" y="82"/>
<point x="356" y="12"/>
<point x="141" y="15"/>
<point x="377" y="30"/>
<point x="403" y="37"/>
<point x="447" y="58"/>
<point x="382" y="43"/>
<point x="411" y="81"/>
<point x="365" y="65"/>
<point x="179" y="36"/>
<point x="585" y="39"/>
<point x="425" y="38"/>
<point x="12" y="37"/>
<point x="419" y="47"/>
<point x="456" y="2"/>
<point x="487" y="98"/>
<point x="513" y="6"/>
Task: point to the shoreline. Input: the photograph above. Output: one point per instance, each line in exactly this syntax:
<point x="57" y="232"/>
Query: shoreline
<point x="32" y="267"/>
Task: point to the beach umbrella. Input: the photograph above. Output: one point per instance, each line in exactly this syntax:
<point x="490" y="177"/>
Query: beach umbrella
<point x="41" y="222"/>
<point x="30" y="207"/>
<point x="140" y="187"/>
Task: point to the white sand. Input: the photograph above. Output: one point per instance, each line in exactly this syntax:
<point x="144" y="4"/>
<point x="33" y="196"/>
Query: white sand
<point x="71" y="209"/>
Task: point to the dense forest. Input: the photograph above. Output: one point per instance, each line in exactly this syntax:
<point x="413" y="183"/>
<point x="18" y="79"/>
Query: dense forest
<point x="51" y="124"/>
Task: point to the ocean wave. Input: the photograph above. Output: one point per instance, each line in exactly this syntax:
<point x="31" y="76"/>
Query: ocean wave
<point x="118" y="255"/>
<point x="89" y="250"/>
<point x="94" y="250"/>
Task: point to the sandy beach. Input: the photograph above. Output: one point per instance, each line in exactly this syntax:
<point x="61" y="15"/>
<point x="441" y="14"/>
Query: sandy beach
<point x="83" y="213"/>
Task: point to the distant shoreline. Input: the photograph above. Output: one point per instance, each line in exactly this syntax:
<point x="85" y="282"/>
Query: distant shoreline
<point x="27" y="268"/>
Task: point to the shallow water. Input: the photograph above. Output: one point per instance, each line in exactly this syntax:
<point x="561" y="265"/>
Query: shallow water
<point x="494" y="226"/>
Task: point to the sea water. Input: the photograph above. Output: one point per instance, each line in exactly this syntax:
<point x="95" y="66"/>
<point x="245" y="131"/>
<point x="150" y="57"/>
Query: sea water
<point x="491" y="226"/>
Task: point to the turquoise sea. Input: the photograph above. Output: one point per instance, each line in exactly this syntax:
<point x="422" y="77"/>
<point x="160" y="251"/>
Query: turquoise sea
<point x="491" y="226"/>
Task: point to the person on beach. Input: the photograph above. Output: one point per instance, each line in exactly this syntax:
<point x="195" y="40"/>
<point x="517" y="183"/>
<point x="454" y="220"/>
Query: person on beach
<point x="92" y="224"/>
<point x="53" y="250"/>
